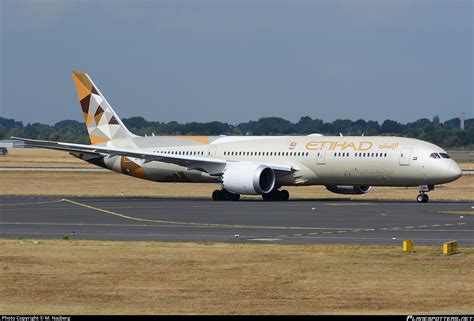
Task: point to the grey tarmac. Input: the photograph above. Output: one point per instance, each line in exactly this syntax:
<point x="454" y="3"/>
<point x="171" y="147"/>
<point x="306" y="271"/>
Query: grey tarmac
<point x="319" y="221"/>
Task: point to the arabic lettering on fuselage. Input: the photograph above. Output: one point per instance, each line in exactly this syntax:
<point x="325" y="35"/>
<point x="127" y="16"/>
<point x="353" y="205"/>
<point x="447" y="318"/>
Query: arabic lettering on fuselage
<point x="388" y="146"/>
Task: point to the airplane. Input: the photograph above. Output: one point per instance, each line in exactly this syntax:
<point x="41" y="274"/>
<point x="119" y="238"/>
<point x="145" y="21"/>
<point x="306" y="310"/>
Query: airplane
<point x="255" y="165"/>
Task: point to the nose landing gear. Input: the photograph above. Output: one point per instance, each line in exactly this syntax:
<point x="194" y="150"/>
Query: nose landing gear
<point x="422" y="197"/>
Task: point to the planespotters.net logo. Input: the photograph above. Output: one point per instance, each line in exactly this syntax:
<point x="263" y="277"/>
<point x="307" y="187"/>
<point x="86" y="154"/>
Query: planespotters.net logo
<point x="440" y="318"/>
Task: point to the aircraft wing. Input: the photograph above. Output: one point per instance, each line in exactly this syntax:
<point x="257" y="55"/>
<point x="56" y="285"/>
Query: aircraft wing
<point x="213" y="166"/>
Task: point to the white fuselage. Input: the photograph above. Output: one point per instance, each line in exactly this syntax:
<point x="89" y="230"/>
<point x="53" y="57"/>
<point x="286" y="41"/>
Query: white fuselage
<point x="316" y="160"/>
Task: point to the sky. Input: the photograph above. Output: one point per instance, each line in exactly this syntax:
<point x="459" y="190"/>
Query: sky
<point x="235" y="61"/>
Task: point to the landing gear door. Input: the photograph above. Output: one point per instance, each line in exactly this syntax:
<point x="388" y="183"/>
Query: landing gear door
<point x="321" y="157"/>
<point x="405" y="155"/>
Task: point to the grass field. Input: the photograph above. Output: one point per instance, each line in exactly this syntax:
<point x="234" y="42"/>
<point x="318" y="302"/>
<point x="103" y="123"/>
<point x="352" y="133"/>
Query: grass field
<point x="107" y="277"/>
<point x="113" y="184"/>
<point x="31" y="157"/>
<point x="113" y="277"/>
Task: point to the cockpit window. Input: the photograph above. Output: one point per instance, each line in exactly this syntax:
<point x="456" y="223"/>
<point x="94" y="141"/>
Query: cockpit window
<point x="444" y="155"/>
<point x="434" y="155"/>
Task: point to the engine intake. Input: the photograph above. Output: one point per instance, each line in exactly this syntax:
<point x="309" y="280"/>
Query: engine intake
<point x="248" y="178"/>
<point x="349" y="189"/>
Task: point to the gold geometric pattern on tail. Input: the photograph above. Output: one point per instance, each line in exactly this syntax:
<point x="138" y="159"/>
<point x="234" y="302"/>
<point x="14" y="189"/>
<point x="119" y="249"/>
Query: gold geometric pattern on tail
<point x="101" y="121"/>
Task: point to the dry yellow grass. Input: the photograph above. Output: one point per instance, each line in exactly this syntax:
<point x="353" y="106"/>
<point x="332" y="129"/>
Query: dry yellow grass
<point x="30" y="157"/>
<point x="107" y="277"/>
<point x="466" y="166"/>
<point x="114" y="184"/>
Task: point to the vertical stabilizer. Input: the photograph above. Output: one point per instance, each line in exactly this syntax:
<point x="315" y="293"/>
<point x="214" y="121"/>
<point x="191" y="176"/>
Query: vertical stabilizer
<point x="102" y="122"/>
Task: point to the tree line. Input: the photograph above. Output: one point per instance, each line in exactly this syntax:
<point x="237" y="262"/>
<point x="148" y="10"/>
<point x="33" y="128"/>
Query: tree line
<point x="446" y="134"/>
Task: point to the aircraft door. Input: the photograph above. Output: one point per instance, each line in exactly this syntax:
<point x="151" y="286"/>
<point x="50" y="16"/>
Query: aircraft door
<point x="321" y="157"/>
<point x="211" y="152"/>
<point x="405" y="157"/>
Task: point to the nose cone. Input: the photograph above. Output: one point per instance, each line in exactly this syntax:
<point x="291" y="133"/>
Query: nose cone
<point x="454" y="172"/>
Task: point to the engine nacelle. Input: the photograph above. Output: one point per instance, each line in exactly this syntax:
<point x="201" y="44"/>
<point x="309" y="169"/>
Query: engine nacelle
<point x="349" y="189"/>
<point x="248" y="178"/>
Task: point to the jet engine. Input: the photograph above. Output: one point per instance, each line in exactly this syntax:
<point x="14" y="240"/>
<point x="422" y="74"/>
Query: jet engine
<point x="349" y="189"/>
<point x="248" y="178"/>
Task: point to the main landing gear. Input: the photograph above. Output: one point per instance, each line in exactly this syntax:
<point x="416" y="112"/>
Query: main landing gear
<point x="273" y="195"/>
<point x="276" y="195"/>
<point x="223" y="195"/>
<point x="423" y="197"/>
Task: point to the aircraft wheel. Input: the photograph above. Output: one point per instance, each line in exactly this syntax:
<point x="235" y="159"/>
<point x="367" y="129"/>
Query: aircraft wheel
<point x="422" y="198"/>
<point x="224" y="195"/>
<point x="284" y="195"/>
<point x="228" y="196"/>
<point x="276" y="195"/>
<point x="217" y="195"/>
<point x="234" y="197"/>
<point x="267" y="196"/>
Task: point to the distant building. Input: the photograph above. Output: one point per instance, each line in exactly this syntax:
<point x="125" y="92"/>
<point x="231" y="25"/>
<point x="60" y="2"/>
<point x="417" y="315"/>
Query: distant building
<point x="435" y="120"/>
<point x="9" y="143"/>
<point x="462" y="120"/>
